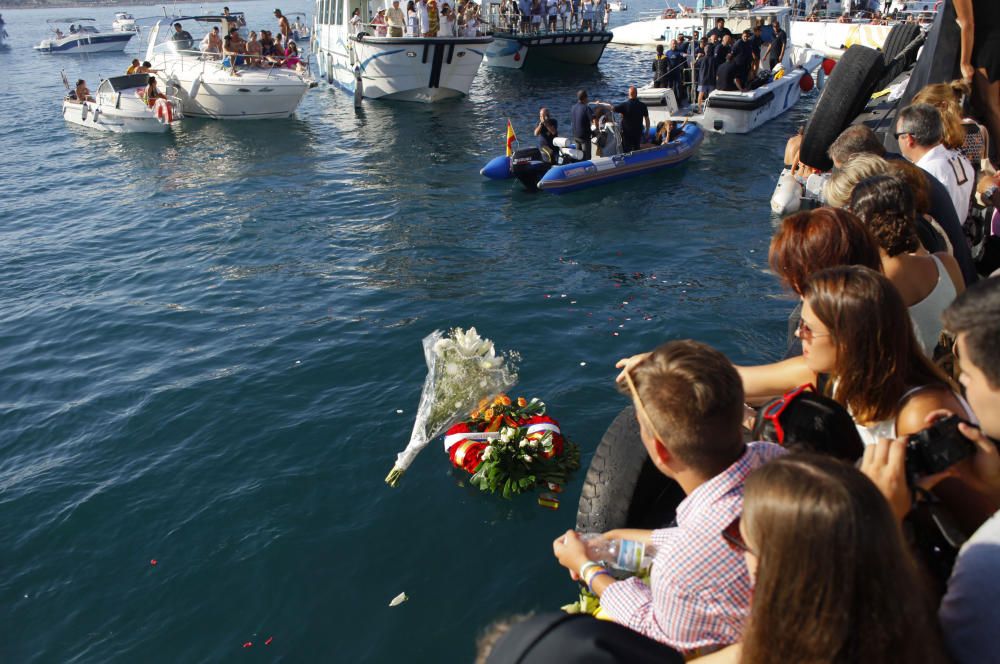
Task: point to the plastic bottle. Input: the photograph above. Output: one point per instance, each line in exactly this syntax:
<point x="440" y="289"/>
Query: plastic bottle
<point x="621" y="554"/>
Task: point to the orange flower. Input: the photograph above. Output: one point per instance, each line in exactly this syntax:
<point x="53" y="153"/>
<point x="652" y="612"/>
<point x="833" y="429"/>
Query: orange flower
<point x="474" y="415"/>
<point x="488" y="413"/>
<point x="485" y="402"/>
<point x="522" y="402"/>
<point x="499" y="400"/>
<point x="504" y="399"/>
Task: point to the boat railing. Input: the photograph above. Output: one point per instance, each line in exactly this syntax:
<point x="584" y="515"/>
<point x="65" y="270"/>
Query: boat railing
<point x="506" y="18"/>
<point x="213" y="60"/>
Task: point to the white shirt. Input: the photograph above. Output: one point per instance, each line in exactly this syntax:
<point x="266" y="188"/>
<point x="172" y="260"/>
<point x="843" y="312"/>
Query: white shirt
<point x="447" y="28"/>
<point x="424" y="16"/>
<point x="953" y="171"/>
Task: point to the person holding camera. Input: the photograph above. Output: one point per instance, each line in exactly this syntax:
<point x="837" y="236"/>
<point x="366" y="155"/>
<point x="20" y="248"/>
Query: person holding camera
<point x="969" y="614"/>
<point x="546" y="129"/>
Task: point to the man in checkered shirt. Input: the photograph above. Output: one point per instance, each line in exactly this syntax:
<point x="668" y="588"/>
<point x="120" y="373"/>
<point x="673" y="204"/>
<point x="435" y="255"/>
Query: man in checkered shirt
<point x="699" y="592"/>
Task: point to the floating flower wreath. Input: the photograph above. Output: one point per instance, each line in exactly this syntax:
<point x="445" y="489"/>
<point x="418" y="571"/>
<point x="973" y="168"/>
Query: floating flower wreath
<point x="511" y="447"/>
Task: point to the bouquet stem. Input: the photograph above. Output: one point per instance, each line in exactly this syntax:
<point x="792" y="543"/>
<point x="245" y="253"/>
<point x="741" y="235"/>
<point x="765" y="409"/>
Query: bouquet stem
<point x="396" y="474"/>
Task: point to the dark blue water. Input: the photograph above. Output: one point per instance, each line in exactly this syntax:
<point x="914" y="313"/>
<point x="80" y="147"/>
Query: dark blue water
<point x="205" y="338"/>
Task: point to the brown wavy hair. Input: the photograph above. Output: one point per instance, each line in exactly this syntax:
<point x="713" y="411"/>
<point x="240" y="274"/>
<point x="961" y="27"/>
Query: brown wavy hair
<point x="878" y="356"/>
<point x="885" y="204"/>
<point x="916" y="180"/>
<point x="825" y="237"/>
<point x="835" y="582"/>
<point x="946" y="98"/>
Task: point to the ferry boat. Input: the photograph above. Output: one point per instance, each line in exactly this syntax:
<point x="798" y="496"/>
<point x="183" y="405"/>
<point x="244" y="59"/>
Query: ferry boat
<point x="209" y="89"/>
<point x="512" y="48"/>
<point x="82" y="37"/>
<point x="411" y="68"/>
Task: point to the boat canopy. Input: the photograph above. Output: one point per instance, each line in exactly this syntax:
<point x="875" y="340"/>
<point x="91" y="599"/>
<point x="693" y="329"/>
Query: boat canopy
<point x="69" y="20"/>
<point x="119" y="83"/>
<point x="233" y="17"/>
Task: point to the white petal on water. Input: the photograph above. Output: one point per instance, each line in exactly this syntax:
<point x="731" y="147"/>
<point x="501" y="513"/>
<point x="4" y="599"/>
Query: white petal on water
<point x="398" y="599"/>
<point x="399" y="411"/>
<point x="583" y="364"/>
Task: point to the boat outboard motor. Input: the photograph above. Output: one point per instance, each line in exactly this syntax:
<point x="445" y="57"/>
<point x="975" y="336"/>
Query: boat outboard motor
<point x="529" y="166"/>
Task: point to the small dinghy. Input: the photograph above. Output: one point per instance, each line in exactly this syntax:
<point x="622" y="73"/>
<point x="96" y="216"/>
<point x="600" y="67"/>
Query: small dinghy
<point x="566" y="170"/>
<point x="120" y="106"/>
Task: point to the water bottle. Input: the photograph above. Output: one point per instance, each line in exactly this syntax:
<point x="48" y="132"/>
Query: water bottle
<point x="621" y="554"/>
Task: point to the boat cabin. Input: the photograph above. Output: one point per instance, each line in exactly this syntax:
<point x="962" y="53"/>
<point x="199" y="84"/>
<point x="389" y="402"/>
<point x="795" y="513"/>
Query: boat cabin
<point x="339" y="12"/>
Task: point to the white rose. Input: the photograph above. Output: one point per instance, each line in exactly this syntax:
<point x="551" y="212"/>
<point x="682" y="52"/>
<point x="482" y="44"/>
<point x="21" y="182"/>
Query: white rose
<point x="488" y="452"/>
<point x="527" y="458"/>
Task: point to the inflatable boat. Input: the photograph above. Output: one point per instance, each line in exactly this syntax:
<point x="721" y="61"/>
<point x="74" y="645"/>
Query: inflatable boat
<point x="565" y="170"/>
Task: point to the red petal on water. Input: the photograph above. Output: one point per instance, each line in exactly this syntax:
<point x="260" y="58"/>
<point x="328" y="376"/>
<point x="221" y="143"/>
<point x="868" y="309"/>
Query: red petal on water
<point x="269" y="639"/>
<point x="153" y="562"/>
<point x="248" y="644"/>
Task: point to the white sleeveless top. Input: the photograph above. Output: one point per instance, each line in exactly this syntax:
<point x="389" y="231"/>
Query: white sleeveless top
<point x="926" y="314"/>
<point x="871" y="433"/>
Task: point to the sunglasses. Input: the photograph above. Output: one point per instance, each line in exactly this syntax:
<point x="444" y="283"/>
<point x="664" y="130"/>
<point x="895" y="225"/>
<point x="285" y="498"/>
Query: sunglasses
<point x="734" y="539"/>
<point x="897" y="134"/>
<point x="639" y="405"/>
<point x="806" y="333"/>
<point x="772" y="412"/>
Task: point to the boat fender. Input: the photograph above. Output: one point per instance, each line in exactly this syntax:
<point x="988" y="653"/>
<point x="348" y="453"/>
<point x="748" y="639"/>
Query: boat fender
<point x="844" y="97"/>
<point x="164" y="111"/>
<point x="828" y="65"/>
<point x="358" y="87"/>
<point x="806" y="82"/>
<point x="497" y="168"/>
<point x="779" y="72"/>
<point x="787" y="196"/>
<point x="623" y="488"/>
<point x="195" y="86"/>
<point x="83" y="110"/>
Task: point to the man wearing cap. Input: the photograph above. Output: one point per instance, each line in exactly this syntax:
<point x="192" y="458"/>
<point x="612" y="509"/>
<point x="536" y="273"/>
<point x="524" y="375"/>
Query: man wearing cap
<point x="395" y="19"/>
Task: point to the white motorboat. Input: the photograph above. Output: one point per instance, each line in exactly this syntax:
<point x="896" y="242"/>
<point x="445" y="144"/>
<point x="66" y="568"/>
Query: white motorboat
<point x="208" y="88"/>
<point x="300" y="31"/>
<point x="124" y="22"/>
<point x="738" y="112"/>
<point x="660" y="26"/>
<point x="423" y="69"/>
<point x="833" y="37"/>
<point x="120" y="106"/>
<point x="82" y="37"/>
<point x="618" y="6"/>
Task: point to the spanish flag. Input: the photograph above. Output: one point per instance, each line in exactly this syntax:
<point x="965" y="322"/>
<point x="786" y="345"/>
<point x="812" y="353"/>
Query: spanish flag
<point x="511" y="139"/>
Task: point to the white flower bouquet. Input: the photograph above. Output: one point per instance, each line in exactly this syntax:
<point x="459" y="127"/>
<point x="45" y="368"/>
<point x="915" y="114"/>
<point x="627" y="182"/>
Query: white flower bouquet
<point x="462" y="370"/>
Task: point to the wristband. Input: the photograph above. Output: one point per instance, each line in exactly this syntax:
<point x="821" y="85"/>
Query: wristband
<point x="601" y="572"/>
<point x="584" y="568"/>
<point x="597" y="569"/>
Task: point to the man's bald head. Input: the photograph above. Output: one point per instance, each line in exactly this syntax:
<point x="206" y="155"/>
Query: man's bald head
<point x="632" y="92"/>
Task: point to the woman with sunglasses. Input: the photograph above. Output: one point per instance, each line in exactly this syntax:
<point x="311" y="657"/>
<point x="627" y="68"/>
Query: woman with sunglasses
<point x="856" y="331"/>
<point x="832" y="578"/>
<point x="928" y="284"/>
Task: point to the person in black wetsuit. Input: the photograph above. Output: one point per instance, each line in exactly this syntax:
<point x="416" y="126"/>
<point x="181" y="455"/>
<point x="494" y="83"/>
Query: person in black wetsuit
<point x="661" y="69"/>
<point x="546" y="129"/>
<point x="635" y="120"/>
<point x="729" y="76"/>
<point x="583" y="116"/>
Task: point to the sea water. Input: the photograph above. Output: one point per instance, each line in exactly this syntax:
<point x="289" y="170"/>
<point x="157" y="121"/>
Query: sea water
<point x="210" y="355"/>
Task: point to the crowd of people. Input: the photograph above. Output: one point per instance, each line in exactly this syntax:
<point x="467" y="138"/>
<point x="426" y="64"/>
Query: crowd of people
<point x="422" y="18"/>
<point x="719" y="60"/>
<point x="225" y="43"/>
<point x="841" y="505"/>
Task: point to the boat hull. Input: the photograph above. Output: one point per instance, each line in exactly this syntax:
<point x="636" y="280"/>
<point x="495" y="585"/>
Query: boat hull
<point x="651" y="32"/>
<point x="93" y="116"/>
<point x="834" y="38"/>
<point x="209" y="91"/>
<point x="100" y="43"/>
<point x="602" y="170"/>
<point x="575" y="48"/>
<point x="414" y="69"/>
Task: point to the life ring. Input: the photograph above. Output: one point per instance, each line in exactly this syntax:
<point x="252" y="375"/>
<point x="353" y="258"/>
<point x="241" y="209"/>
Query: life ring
<point x="164" y="111"/>
<point x="623" y="489"/>
<point x="847" y="91"/>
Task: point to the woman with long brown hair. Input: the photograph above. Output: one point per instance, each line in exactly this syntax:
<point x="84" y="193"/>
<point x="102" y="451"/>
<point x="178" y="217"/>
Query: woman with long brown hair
<point x="832" y="578"/>
<point x="856" y="331"/>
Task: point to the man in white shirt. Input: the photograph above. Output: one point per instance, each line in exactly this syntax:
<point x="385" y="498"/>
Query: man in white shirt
<point x="395" y="19"/>
<point x="919" y="131"/>
<point x="425" y="18"/>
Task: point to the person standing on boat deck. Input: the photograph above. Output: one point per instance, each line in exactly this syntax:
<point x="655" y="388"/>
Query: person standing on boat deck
<point x="635" y="120"/>
<point x="775" y="51"/>
<point x="82" y="91"/>
<point x="728" y="78"/>
<point x="395" y="19"/>
<point x="181" y="38"/>
<point x="676" y="62"/>
<point x="919" y="131"/>
<point x="546" y="129"/>
<point x="412" y="23"/>
<point x="707" y="71"/>
<point x="720" y="30"/>
<point x="448" y="22"/>
<point x="743" y="56"/>
<point x="424" y="18"/>
<point x="755" y="44"/>
<point x="698" y="594"/>
<point x="553" y="7"/>
<point x="583" y="117"/>
<point x="283" y="27"/>
<point x="661" y="69"/>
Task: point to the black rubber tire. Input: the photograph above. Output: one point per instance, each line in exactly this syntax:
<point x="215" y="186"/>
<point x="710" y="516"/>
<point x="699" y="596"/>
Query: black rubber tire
<point x="847" y="91"/>
<point x="899" y="52"/>
<point x="623" y="489"/>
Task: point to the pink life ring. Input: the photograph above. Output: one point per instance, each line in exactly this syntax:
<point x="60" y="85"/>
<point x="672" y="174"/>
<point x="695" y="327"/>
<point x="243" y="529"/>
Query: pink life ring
<point x="164" y="111"/>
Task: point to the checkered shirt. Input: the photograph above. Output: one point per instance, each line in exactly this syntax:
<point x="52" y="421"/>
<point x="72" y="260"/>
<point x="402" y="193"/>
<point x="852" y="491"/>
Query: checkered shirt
<point x="699" y="595"/>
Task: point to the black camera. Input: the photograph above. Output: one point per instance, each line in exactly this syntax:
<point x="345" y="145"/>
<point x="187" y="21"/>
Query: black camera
<point x="936" y="448"/>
